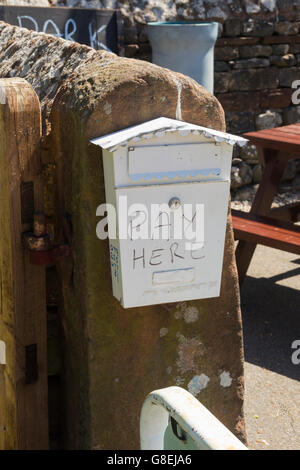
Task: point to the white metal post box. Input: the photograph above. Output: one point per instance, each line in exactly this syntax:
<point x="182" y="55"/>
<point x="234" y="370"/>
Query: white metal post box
<point x="167" y="187"/>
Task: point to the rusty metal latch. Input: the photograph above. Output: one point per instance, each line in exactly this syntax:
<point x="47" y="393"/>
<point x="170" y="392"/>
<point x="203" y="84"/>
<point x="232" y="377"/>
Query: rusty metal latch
<point x="39" y="244"/>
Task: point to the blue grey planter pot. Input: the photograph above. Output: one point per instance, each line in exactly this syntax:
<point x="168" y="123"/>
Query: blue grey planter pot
<point x="186" y="48"/>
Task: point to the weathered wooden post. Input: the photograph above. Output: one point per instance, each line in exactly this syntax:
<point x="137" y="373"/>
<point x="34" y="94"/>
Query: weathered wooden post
<point x="113" y="356"/>
<point x="23" y="362"/>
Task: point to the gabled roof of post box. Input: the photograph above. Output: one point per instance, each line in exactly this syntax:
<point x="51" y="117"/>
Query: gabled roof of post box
<point x="157" y="128"/>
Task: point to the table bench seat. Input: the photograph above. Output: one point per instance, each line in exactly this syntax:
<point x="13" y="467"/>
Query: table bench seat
<point x="266" y="231"/>
<point x="276" y="147"/>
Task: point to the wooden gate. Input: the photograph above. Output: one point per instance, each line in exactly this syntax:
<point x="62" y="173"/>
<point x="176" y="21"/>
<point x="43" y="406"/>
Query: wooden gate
<point x="23" y="362"/>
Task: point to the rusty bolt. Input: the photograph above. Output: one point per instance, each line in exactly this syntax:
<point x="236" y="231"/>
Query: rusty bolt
<point x="37" y="243"/>
<point x="39" y="225"/>
<point x="39" y="239"/>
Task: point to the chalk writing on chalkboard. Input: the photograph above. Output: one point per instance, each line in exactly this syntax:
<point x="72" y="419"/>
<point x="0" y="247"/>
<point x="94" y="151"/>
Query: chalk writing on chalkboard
<point x="100" y="29"/>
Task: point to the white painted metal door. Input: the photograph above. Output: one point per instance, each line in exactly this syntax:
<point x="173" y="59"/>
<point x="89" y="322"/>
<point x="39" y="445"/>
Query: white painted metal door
<point x="168" y="270"/>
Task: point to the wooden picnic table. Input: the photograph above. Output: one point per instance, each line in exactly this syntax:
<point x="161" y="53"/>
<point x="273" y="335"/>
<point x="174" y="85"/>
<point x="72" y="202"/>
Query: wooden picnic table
<point x="262" y="225"/>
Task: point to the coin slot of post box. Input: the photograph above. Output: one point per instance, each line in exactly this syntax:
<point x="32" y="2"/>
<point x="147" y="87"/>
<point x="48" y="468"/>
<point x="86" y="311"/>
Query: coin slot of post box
<point x="175" y="276"/>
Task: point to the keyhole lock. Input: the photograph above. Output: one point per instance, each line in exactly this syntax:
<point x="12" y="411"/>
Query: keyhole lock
<point x="174" y="203"/>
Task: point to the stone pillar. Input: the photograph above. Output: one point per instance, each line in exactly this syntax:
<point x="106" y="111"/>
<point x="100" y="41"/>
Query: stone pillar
<point x="113" y="356"/>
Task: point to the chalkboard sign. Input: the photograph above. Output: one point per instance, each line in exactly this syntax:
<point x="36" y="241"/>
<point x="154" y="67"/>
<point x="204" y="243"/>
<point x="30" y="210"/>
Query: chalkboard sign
<point x="100" y="29"/>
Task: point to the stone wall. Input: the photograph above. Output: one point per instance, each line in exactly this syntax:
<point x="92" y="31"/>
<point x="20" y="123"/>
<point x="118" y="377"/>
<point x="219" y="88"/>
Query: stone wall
<point x="257" y="57"/>
<point x="256" y="62"/>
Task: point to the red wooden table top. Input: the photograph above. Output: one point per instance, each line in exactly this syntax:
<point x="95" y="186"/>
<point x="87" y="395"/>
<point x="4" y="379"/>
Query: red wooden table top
<point x="285" y="138"/>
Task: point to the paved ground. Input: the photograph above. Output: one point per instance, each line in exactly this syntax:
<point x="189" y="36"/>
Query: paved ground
<point x="271" y="319"/>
